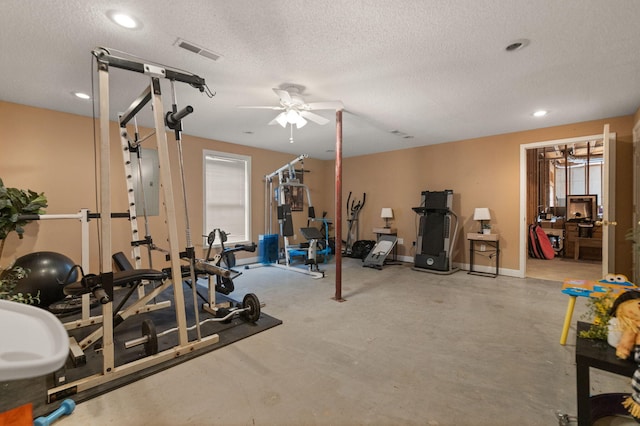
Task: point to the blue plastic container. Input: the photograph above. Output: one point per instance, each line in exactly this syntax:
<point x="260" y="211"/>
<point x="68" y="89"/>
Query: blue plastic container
<point x="268" y="248"/>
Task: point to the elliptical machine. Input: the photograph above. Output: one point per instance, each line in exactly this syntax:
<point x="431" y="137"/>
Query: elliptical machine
<point x="353" y="211"/>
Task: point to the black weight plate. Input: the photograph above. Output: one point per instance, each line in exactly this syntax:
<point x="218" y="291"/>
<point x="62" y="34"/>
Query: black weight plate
<point x="224" y="285"/>
<point x="211" y="237"/>
<point x="149" y="330"/>
<point x="229" y="260"/>
<point x="253" y="313"/>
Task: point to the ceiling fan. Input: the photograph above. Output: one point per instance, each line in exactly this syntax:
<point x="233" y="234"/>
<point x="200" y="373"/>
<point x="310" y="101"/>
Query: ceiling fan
<point x="295" y="110"/>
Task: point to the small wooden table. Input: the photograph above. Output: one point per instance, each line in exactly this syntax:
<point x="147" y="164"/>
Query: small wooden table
<point x="493" y="243"/>
<point x="598" y="354"/>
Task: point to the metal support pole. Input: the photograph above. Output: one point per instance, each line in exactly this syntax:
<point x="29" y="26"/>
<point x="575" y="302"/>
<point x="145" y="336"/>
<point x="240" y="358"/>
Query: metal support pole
<point x="105" y="219"/>
<point x="338" y="213"/>
<point x="170" y="211"/>
<point x="190" y="249"/>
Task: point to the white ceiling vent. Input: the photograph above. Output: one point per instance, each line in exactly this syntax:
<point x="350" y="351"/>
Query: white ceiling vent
<point x="192" y="47"/>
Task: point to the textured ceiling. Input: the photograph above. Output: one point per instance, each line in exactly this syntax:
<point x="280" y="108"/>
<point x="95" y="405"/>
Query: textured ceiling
<point x="431" y="69"/>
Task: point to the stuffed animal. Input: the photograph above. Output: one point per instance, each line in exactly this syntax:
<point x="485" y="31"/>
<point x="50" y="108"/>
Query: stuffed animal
<point x="626" y="308"/>
<point x="620" y="279"/>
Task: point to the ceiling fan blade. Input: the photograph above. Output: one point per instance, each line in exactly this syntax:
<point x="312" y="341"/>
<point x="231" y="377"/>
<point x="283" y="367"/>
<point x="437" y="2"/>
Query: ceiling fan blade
<point x="275" y="108"/>
<point x="283" y="95"/>
<point x="335" y="105"/>
<point x="314" y="117"/>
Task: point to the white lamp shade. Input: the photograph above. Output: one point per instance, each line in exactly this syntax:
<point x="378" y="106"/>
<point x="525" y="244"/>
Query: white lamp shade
<point x="482" y="213"/>
<point x="281" y="119"/>
<point x="386" y="213"/>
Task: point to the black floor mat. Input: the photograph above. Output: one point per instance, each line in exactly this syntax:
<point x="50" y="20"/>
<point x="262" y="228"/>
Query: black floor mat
<point x="19" y="392"/>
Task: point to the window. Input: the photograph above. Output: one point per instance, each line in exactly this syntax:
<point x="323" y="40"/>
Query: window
<point x="227" y="190"/>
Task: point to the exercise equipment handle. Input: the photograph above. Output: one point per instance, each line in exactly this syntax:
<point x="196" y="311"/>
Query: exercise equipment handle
<point x="174" y="117"/>
<point x="100" y="295"/>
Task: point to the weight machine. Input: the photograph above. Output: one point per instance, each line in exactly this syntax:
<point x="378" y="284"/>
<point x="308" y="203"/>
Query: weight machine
<point x="436" y="235"/>
<point x="102" y="284"/>
<point x="313" y="235"/>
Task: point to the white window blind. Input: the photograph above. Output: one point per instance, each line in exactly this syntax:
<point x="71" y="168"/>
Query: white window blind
<point x="227" y="192"/>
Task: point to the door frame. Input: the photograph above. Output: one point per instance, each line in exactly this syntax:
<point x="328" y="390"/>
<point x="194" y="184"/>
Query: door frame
<point x="522" y="271"/>
<point x="636" y="200"/>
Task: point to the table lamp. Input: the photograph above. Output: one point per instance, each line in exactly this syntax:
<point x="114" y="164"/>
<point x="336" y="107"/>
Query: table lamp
<point x="386" y="214"/>
<point x="482" y="214"/>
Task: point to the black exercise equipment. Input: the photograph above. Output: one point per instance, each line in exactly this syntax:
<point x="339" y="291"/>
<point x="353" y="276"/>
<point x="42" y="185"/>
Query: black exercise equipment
<point x="353" y="211"/>
<point x="249" y="311"/>
<point x="47" y="274"/>
<point x="436" y="235"/>
<point x="379" y="253"/>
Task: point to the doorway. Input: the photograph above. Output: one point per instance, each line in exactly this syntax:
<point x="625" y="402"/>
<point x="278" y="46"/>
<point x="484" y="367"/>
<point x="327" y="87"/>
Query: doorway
<point x="565" y="189"/>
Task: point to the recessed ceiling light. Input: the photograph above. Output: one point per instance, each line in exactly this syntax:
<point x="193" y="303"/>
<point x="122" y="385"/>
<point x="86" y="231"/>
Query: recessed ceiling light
<point x="81" y="95"/>
<point x="124" y="20"/>
<point x="517" y="45"/>
<point x="540" y="113"/>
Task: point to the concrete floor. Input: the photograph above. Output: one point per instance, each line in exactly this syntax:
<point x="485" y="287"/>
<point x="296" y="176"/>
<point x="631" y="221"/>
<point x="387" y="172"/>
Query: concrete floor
<point x="406" y="348"/>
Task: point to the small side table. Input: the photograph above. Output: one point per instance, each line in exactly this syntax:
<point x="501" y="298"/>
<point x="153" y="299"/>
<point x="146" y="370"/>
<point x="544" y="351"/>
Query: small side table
<point x="492" y="242"/>
<point x="597" y="354"/>
<point x="388" y="231"/>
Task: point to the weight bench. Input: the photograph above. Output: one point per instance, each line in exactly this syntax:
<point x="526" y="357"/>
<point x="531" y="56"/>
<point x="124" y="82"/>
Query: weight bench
<point x="102" y="285"/>
<point x="379" y="253"/>
<point x="313" y="236"/>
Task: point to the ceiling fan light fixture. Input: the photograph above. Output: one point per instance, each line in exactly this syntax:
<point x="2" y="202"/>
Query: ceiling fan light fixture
<point x="281" y="119"/>
<point x="301" y="122"/>
<point x="292" y="116"/>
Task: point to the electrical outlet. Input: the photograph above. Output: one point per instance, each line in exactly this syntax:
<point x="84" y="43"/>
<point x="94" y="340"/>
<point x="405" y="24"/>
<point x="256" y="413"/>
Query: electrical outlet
<point x="295" y="237"/>
<point x="400" y="241"/>
<point x="483" y="247"/>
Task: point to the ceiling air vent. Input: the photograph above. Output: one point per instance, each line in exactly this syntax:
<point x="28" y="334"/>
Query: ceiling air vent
<point x="403" y="135"/>
<point x="192" y="47"/>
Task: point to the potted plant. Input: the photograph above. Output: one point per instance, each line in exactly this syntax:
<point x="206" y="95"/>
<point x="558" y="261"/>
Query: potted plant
<point x="14" y="203"/>
<point x="486" y="227"/>
<point x="9" y="279"/>
<point x="598" y="313"/>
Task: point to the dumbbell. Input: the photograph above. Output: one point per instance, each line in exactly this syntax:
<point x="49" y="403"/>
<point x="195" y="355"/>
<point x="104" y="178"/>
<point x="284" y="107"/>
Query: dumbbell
<point x="66" y="407"/>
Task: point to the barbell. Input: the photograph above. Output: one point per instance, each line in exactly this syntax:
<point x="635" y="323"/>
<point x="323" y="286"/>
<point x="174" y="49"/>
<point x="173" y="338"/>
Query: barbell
<point x="250" y="312"/>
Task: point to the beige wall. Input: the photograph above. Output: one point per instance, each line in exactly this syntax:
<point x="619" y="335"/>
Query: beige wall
<point x="52" y="152"/>
<point x="482" y="172"/>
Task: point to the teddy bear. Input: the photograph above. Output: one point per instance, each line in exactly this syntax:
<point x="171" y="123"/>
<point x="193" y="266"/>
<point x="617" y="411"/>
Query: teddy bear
<point x="626" y="308"/>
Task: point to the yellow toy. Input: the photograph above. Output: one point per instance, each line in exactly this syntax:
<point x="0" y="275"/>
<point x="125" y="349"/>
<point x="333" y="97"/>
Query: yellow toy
<point x="611" y="283"/>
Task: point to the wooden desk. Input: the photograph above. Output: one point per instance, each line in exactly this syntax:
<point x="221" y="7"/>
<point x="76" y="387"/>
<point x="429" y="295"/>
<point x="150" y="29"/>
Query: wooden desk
<point x="572" y="234"/>
<point x="598" y="354"/>
<point x="586" y="242"/>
